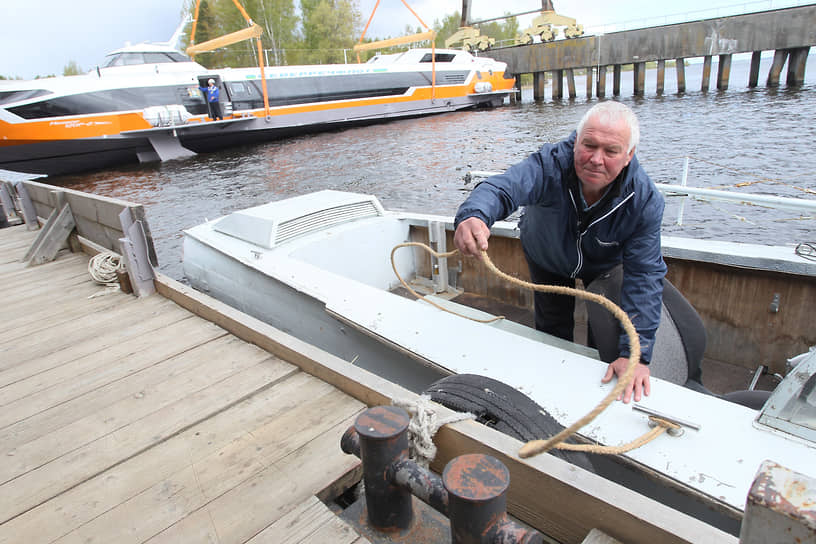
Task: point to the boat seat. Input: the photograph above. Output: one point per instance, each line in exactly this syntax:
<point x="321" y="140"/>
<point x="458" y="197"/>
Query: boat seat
<point x="680" y="340"/>
<point x="679" y="343"/>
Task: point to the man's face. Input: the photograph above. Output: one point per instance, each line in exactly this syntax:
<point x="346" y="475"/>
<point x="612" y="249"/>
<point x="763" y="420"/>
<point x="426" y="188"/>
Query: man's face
<point x="601" y="152"/>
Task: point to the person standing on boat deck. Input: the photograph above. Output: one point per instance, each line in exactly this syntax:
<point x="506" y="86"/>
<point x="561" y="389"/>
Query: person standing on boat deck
<point x="212" y="93"/>
<point x="589" y="206"/>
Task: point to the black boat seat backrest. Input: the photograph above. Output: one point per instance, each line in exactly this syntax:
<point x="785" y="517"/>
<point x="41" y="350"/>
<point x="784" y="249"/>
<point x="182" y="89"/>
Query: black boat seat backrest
<point x="680" y="341"/>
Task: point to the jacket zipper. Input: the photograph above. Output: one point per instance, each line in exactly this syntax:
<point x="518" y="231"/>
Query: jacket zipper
<point x="579" y="240"/>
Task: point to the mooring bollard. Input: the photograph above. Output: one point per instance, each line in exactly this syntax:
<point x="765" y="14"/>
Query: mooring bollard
<point x="472" y="490"/>
<point x="381" y="442"/>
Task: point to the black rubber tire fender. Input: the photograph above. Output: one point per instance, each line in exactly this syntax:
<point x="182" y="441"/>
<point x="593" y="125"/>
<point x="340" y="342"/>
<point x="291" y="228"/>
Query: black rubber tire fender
<point x="502" y="407"/>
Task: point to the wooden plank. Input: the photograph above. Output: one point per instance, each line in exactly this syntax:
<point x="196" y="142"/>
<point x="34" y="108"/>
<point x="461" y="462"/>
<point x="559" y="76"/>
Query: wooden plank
<point x="53" y="237"/>
<point x="37" y="486"/>
<point x="310" y="521"/>
<point x="56" y="333"/>
<point x="156" y="490"/>
<point x="122" y="403"/>
<point x="120" y="484"/>
<point x="141" y="353"/>
<point x="35" y="314"/>
<point x="248" y="508"/>
<point x="113" y="341"/>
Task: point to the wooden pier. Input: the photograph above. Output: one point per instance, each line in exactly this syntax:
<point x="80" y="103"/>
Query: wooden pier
<point x="787" y="32"/>
<point x="130" y="419"/>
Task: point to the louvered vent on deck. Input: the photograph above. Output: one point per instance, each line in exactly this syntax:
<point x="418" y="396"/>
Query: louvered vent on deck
<point x="276" y="223"/>
<point x="322" y="219"/>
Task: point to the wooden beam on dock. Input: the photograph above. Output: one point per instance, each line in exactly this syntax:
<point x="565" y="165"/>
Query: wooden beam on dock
<point x="616" y="80"/>
<point x="723" y="72"/>
<point x="558" y="84"/>
<point x="706" y="79"/>
<point x="539" y="86"/>
<point x="780" y="56"/>
<point x="796" y="66"/>
<point x="661" y="76"/>
<point x="753" y="75"/>
<point x="680" y="69"/>
<point x="570" y="73"/>
<point x="639" y="75"/>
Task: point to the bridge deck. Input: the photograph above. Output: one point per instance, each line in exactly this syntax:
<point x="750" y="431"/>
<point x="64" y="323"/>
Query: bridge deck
<point x="132" y="420"/>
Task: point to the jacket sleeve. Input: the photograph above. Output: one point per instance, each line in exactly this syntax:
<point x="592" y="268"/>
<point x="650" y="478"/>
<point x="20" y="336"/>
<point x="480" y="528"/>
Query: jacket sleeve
<point x="499" y="196"/>
<point x="643" y="272"/>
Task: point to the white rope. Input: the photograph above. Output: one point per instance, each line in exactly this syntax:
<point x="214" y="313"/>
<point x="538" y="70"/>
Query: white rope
<point x="103" y="266"/>
<point x="423" y="426"/>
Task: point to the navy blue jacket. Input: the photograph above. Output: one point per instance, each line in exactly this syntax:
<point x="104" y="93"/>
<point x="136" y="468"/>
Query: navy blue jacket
<point x="623" y="228"/>
<point x="211" y="93"/>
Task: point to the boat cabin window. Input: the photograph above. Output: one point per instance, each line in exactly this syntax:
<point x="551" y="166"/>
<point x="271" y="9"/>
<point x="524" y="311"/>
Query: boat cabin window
<point x="132" y="59"/>
<point x="440" y="57"/>
<point x="7" y="97"/>
<point x="240" y="89"/>
<point x="792" y="406"/>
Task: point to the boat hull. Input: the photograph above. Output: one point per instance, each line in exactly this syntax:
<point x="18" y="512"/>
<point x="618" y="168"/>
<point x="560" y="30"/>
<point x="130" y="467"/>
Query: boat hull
<point x="67" y="125"/>
<point x="330" y="284"/>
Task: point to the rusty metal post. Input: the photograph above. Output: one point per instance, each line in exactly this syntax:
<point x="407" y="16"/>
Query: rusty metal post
<point x="382" y="442"/>
<point x="477" y="502"/>
<point x="779" y="507"/>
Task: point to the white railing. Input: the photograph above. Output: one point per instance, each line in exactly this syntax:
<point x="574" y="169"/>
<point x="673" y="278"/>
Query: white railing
<point x="770" y="201"/>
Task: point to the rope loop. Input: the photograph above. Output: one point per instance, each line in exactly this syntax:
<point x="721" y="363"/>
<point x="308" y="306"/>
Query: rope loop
<point x="534" y="447"/>
<point x="103" y="267"/>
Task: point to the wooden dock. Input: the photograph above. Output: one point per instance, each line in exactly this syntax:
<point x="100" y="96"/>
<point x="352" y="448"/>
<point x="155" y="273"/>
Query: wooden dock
<point x="127" y="419"/>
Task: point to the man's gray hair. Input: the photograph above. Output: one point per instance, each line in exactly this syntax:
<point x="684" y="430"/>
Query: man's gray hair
<point x="611" y="111"/>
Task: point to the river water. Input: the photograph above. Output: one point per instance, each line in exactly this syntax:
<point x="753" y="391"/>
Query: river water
<point x="762" y="136"/>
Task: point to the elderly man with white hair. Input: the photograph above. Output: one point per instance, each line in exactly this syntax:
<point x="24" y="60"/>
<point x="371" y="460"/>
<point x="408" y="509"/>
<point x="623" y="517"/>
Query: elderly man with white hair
<point x="588" y="207"/>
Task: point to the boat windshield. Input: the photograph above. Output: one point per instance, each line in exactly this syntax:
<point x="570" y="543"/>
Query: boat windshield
<point x="792" y="406"/>
<point x="7" y="97"/>
<point x="135" y="58"/>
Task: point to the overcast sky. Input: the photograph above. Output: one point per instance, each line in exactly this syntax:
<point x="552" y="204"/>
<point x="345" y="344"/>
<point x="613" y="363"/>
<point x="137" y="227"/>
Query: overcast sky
<point x="40" y="37"/>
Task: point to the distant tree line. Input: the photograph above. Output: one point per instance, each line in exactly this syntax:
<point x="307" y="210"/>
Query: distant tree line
<point x="322" y="32"/>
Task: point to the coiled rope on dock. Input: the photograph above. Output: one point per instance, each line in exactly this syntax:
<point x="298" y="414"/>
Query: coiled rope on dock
<point x="534" y="447"/>
<point x="103" y="267"/>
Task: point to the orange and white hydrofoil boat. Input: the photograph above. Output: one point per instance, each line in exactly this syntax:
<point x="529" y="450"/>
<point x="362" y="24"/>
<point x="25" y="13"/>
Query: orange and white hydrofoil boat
<point x="144" y="103"/>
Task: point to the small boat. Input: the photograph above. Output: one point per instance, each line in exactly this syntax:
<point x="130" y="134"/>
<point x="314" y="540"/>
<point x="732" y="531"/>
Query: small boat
<point x="317" y="266"/>
<point x="144" y="103"/>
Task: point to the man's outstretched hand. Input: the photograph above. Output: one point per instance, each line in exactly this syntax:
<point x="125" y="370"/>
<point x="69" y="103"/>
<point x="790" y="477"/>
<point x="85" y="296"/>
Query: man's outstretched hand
<point x="640" y="385"/>
<point x="471" y="237"/>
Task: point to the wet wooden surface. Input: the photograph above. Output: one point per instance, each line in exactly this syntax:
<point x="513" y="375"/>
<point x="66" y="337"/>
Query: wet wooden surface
<point x="133" y="420"/>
